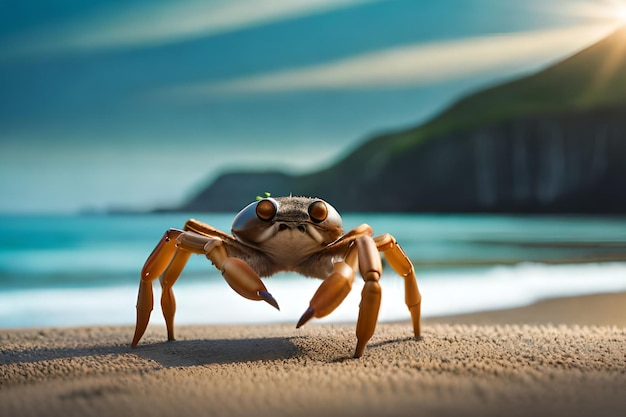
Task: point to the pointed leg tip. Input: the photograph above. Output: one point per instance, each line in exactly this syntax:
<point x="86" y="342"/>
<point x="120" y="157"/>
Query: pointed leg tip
<point x="136" y="339"/>
<point x="359" y="352"/>
<point x="308" y="315"/>
<point x="267" y="297"/>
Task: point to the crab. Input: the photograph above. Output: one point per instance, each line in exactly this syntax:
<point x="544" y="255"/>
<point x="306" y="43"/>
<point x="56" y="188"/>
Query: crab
<point x="270" y="235"/>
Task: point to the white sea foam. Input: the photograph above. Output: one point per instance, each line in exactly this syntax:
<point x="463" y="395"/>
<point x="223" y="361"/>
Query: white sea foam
<point x="213" y="302"/>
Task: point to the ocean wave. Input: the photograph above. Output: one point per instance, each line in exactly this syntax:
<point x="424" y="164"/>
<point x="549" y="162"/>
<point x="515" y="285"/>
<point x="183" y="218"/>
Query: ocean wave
<point x="213" y="302"/>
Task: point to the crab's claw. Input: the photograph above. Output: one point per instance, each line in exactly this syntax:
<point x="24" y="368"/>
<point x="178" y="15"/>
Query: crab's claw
<point x="242" y="278"/>
<point x="330" y="293"/>
<point x="267" y="297"/>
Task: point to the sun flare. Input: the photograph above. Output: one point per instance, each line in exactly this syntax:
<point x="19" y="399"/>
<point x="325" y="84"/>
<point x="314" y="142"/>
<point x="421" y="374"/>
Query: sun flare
<point x="617" y="10"/>
<point x="609" y="10"/>
<point x="620" y="13"/>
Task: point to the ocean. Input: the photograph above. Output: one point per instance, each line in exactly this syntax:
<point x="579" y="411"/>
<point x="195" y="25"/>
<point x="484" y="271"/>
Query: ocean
<point x="84" y="270"/>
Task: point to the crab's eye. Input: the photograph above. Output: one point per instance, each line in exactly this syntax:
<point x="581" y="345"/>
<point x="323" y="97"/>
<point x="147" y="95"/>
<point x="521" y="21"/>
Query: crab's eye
<point x="266" y="209"/>
<point x="318" y="211"/>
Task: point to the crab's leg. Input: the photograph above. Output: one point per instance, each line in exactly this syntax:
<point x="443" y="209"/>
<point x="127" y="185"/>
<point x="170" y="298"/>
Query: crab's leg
<point x="335" y="288"/>
<point x="402" y="265"/>
<point x="169" y="258"/>
<point x="156" y="263"/>
<point x="169" y="277"/>
<point x="338" y="284"/>
<point x="370" y="268"/>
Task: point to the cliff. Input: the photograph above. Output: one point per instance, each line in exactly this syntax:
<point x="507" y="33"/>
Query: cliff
<point x="552" y="142"/>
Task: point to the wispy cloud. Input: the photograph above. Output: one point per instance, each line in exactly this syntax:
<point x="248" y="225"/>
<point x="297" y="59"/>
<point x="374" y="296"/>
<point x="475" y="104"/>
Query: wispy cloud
<point x="162" y="22"/>
<point x="414" y="65"/>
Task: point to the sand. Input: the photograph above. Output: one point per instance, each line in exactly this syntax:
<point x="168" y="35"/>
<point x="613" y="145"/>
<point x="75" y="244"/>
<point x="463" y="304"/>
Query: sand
<point x="558" y="357"/>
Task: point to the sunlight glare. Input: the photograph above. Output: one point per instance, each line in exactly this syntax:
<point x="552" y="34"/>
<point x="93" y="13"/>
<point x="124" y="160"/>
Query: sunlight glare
<point x="611" y="10"/>
<point x="617" y="9"/>
<point x="620" y="12"/>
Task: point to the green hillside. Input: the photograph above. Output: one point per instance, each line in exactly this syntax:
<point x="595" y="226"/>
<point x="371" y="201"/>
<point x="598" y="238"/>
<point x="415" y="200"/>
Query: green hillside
<point x="594" y="77"/>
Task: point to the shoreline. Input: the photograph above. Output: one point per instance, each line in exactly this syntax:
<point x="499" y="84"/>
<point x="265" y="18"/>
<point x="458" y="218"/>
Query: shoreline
<point x="601" y="309"/>
<point x="555" y="357"/>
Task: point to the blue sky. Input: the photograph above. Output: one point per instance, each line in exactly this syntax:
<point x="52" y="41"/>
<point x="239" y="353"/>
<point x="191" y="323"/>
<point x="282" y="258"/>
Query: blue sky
<point x="135" y="104"/>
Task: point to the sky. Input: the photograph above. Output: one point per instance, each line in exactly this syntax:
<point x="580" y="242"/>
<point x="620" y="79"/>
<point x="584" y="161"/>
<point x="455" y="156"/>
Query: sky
<point x="136" y="104"/>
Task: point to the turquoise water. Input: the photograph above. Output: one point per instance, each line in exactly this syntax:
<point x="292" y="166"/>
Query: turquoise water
<point x="82" y="270"/>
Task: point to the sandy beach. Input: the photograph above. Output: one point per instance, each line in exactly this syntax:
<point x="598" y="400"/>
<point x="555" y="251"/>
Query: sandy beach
<point x="557" y="357"/>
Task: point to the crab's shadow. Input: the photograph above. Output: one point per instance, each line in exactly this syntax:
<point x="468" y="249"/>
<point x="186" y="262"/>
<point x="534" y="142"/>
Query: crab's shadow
<point x="167" y="354"/>
<point x="198" y="352"/>
<point x="225" y="351"/>
<point x="183" y="353"/>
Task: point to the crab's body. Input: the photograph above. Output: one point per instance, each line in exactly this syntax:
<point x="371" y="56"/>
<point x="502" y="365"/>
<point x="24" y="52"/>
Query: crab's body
<point x="298" y="234"/>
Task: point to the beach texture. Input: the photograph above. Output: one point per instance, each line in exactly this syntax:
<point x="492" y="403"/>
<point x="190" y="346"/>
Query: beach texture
<point x="558" y="357"/>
